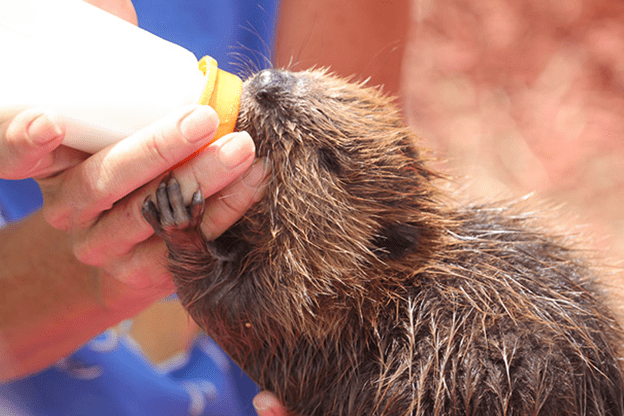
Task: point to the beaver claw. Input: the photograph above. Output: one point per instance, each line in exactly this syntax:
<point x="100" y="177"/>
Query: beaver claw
<point x="169" y="217"/>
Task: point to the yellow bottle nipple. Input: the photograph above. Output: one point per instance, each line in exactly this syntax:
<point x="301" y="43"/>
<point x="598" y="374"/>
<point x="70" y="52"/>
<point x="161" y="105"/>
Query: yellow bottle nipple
<point x="222" y="92"/>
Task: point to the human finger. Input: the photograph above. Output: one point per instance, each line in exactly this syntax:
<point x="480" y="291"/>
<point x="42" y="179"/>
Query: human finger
<point x="266" y="404"/>
<point x="30" y="145"/>
<point x="120" y="8"/>
<point x="119" y="229"/>
<point x="227" y="158"/>
<point x="80" y="194"/>
<point x="228" y="205"/>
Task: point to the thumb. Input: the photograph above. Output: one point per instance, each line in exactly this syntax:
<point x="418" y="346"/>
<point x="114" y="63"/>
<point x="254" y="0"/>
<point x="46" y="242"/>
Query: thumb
<point x="266" y="404"/>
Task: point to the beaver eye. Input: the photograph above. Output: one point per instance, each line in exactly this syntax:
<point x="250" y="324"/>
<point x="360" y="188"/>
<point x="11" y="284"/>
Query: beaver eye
<point x="396" y="240"/>
<point x="345" y="99"/>
<point x="329" y="160"/>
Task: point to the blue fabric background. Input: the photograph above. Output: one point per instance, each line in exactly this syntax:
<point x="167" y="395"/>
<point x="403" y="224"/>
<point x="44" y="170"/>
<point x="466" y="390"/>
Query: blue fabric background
<point x="232" y="32"/>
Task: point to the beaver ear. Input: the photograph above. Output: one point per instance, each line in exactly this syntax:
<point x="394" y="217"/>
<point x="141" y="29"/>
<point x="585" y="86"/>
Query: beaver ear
<point x="396" y="240"/>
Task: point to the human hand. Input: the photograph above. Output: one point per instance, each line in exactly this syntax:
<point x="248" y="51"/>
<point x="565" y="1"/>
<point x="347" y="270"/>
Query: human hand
<point x="97" y="199"/>
<point x="30" y="141"/>
<point x="266" y="404"/>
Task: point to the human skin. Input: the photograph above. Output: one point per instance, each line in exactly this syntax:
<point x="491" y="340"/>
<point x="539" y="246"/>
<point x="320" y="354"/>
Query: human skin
<point x="76" y="278"/>
<point x="87" y="260"/>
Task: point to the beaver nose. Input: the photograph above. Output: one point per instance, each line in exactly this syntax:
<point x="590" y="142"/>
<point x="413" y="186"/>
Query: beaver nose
<point x="268" y="84"/>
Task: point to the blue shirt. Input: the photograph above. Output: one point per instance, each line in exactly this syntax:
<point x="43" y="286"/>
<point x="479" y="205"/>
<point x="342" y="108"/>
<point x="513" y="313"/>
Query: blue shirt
<point x="110" y="375"/>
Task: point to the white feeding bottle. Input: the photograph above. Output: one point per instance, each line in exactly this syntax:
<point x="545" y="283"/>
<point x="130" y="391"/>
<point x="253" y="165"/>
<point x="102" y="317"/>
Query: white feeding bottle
<point x="105" y="76"/>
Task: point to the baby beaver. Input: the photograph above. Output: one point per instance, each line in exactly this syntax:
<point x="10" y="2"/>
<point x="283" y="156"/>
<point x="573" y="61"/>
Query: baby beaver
<point x="355" y="287"/>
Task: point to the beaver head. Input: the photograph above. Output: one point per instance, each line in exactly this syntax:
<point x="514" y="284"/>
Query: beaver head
<point x="348" y="198"/>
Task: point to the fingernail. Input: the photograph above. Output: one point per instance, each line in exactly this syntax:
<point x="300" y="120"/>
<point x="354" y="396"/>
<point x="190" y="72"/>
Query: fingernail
<point x="235" y="149"/>
<point x="256" y="174"/>
<point x="43" y="129"/>
<point x="199" y="123"/>
<point x="260" y="404"/>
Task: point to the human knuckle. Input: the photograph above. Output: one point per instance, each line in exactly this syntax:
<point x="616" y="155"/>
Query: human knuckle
<point x="86" y="252"/>
<point x="225" y="212"/>
<point x="56" y="216"/>
<point x="157" y="150"/>
<point x="59" y="205"/>
<point x="231" y="204"/>
<point x="97" y="185"/>
<point x="12" y="136"/>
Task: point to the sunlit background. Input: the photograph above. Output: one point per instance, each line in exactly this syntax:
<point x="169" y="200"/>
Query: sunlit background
<point x="525" y="95"/>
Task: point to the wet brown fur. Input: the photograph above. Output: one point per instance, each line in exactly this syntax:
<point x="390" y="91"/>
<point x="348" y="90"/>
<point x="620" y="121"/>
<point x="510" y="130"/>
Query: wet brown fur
<point x="356" y="287"/>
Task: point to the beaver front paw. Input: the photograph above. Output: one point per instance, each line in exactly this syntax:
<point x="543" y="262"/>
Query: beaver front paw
<point x="174" y="222"/>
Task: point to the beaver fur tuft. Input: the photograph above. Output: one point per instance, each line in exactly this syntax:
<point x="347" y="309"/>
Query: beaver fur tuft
<point x="355" y="287"/>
